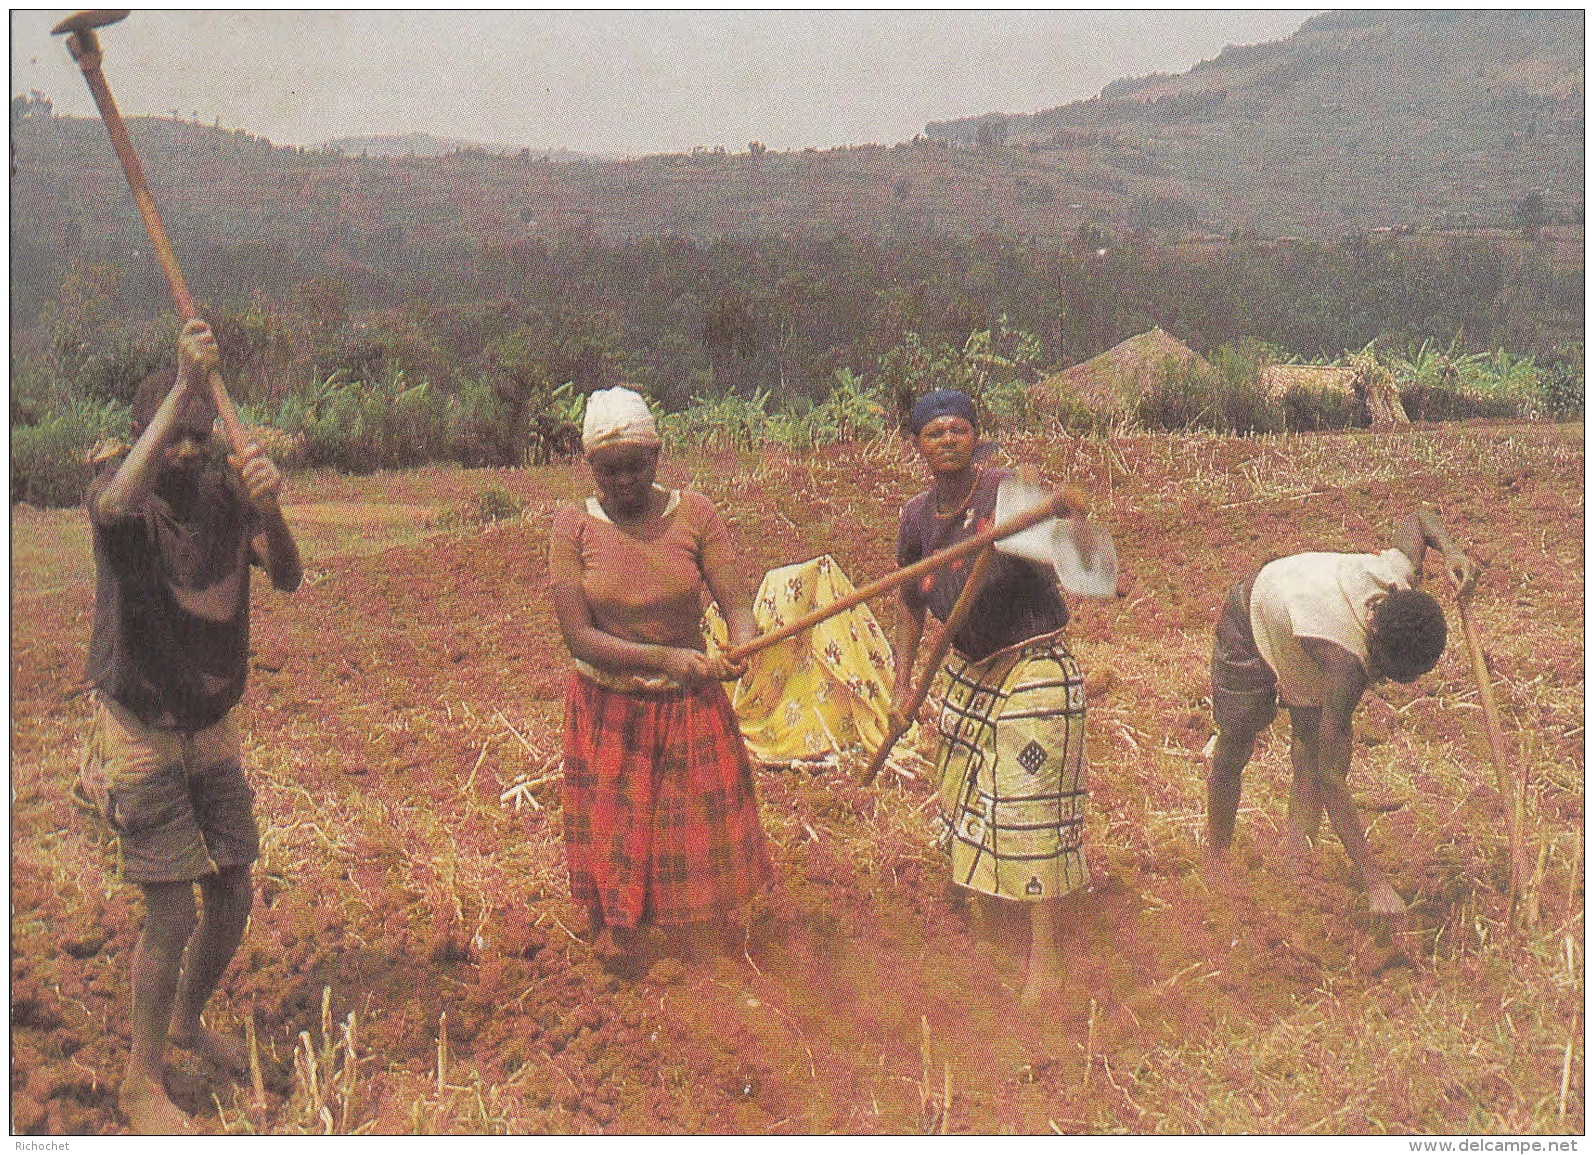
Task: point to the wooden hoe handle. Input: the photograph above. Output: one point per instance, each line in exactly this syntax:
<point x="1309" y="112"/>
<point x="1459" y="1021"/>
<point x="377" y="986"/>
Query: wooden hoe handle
<point x="1512" y="787"/>
<point x="954" y="622"/>
<point x="85" y="48"/>
<point x="1018" y="523"/>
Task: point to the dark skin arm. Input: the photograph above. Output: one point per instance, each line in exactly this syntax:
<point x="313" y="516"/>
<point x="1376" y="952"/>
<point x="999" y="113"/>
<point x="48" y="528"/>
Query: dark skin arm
<point x="589" y="644"/>
<point x="689" y="667"/>
<point x="1324" y="736"/>
<point x="910" y="627"/>
<point x="136" y="476"/>
<point x="736" y="604"/>
<point x="274" y="544"/>
<point x="1421" y="530"/>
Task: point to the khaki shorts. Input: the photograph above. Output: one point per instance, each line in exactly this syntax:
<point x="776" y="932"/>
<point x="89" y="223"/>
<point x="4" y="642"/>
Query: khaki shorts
<point x="1244" y="689"/>
<point x="178" y="802"/>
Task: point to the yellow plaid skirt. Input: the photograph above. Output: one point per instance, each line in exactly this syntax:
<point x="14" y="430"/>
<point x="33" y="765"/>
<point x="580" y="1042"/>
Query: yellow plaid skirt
<point x="1011" y="771"/>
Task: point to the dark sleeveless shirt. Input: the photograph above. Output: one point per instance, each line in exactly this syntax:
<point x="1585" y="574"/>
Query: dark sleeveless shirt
<point x="1021" y="600"/>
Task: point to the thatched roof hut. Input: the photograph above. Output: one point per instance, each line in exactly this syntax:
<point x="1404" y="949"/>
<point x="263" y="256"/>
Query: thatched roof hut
<point x="1113" y="383"/>
<point x="1277" y="380"/>
<point x="1369" y="386"/>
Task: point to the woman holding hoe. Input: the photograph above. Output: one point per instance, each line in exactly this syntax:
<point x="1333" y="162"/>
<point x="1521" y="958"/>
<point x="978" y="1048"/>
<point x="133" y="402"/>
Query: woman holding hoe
<point x="661" y="823"/>
<point x="1011" y="769"/>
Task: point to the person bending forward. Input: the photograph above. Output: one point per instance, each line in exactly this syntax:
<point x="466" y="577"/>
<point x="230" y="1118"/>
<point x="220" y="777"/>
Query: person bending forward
<point x="1314" y="631"/>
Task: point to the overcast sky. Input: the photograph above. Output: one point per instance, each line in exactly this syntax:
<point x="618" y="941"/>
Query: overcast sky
<point x="619" y="82"/>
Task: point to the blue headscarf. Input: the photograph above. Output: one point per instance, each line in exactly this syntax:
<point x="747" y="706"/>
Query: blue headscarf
<point x="940" y="403"/>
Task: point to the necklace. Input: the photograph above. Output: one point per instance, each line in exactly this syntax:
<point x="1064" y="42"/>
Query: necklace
<point x="962" y="505"/>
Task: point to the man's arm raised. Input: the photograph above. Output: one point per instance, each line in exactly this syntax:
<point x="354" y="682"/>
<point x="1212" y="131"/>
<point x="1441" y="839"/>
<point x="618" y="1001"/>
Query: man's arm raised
<point x="135" y="477"/>
<point x="278" y="551"/>
<point x="1422" y="529"/>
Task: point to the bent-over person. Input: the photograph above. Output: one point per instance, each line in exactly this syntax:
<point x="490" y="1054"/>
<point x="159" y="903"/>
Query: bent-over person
<point x="176" y="527"/>
<point x="1011" y="766"/>
<point x="1313" y="631"/>
<point x="661" y="821"/>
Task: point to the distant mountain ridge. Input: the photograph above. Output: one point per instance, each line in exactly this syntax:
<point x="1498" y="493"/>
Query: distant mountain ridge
<point x="425" y="144"/>
<point x="1414" y="116"/>
<point x="1358" y="122"/>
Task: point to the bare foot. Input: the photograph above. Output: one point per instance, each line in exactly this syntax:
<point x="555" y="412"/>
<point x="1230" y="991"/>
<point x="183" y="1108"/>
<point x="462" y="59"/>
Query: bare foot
<point x="148" y="1110"/>
<point x="228" y="1052"/>
<point x="1383" y="900"/>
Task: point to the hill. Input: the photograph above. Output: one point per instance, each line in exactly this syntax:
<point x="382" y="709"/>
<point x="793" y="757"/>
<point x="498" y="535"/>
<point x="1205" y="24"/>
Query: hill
<point x="1358" y="121"/>
<point x="425" y="144"/>
<point x="1360" y="118"/>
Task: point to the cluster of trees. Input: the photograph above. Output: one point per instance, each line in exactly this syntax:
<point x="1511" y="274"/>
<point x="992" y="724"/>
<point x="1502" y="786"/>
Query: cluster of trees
<point x="469" y="356"/>
<point x="783" y="313"/>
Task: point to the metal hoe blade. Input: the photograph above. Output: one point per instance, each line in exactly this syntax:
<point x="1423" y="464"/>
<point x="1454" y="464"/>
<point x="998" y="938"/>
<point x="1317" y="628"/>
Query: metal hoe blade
<point x="89" y="20"/>
<point x="1080" y="553"/>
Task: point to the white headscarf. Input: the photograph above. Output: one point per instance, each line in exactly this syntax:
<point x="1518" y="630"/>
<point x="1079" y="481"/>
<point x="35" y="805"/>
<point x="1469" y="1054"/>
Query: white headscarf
<point x="617" y="416"/>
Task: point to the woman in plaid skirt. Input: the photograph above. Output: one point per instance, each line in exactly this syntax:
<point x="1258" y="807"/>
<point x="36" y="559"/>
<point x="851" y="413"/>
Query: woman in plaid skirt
<point x="1011" y="769"/>
<point x="661" y="822"/>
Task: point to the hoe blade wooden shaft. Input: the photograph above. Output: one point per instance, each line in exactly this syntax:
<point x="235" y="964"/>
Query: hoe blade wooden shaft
<point x="954" y="622"/>
<point x="1512" y="786"/>
<point x="85" y="49"/>
<point x="86" y="22"/>
<point x="1057" y="506"/>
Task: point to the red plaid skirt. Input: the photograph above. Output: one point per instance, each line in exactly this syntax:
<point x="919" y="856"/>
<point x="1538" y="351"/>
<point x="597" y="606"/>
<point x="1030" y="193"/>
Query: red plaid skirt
<point x="661" y="823"/>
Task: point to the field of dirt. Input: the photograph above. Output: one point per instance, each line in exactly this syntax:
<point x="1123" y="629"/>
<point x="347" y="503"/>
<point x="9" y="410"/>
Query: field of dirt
<point x="412" y="964"/>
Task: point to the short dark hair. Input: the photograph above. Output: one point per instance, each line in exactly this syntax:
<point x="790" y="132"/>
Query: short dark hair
<point x="152" y="391"/>
<point x="1407" y="635"/>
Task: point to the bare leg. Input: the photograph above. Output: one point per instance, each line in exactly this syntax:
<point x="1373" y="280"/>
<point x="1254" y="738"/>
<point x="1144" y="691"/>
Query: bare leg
<point x="228" y="897"/>
<point x="982" y="914"/>
<point x="1229" y="759"/>
<point x="168" y="922"/>
<point x="1306" y="803"/>
<point x="1044" y="976"/>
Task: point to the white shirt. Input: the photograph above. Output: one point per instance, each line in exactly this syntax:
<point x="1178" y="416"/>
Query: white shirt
<point x="1320" y="595"/>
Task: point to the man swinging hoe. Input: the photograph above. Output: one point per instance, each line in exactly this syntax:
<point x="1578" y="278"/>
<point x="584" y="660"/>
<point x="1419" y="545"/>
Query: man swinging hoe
<point x="177" y="525"/>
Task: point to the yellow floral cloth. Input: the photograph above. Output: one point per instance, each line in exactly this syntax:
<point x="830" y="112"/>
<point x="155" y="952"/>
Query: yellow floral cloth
<point x="824" y="690"/>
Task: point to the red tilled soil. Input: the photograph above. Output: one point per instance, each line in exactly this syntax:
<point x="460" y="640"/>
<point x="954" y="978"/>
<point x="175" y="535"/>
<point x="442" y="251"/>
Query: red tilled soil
<point x="400" y="696"/>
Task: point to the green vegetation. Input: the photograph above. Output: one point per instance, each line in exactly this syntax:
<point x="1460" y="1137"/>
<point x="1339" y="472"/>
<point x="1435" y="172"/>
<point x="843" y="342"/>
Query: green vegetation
<point x="1434" y="385"/>
<point x="832" y="344"/>
<point x="365" y="324"/>
<point x="385" y="418"/>
<point x="495" y="503"/>
<point x="1222" y="396"/>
